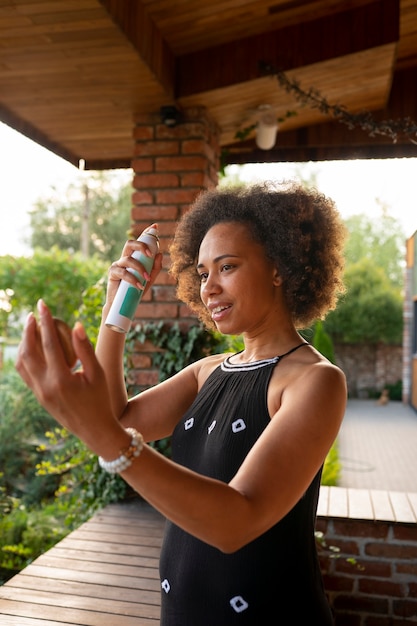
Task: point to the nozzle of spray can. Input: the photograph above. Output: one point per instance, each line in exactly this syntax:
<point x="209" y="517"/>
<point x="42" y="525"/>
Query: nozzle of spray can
<point x="127" y="298"/>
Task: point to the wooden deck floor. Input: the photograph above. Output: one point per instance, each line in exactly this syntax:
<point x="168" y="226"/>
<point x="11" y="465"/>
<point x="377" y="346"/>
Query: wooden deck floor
<point x="105" y="573"/>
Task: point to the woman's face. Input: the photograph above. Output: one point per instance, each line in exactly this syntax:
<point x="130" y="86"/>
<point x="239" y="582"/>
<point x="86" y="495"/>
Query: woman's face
<point x="238" y="282"/>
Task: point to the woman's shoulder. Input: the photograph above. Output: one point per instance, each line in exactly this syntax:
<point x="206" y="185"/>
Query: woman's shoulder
<point x="311" y="364"/>
<point x="205" y="366"/>
<point x="306" y="372"/>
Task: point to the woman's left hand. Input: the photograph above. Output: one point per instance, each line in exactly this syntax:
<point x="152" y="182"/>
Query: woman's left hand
<point x="79" y="400"/>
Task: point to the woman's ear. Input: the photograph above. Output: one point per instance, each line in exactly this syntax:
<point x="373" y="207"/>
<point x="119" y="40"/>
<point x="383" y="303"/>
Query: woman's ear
<point x="277" y="278"/>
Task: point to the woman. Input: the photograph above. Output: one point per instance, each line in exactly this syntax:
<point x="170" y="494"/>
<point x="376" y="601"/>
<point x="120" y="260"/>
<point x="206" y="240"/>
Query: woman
<point x="250" y="431"/>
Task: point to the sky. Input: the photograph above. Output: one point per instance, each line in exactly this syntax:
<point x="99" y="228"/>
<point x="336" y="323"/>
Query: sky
<point x="29" y="172"/>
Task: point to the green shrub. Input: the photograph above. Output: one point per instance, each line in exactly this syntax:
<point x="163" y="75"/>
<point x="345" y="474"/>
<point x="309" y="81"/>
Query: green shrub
<point x="25" y="534"/>
<point x="332" y="467"/>
<point x="395" y="391"/>
<point x="23" y="423"/>
<point x="83" y="486"/>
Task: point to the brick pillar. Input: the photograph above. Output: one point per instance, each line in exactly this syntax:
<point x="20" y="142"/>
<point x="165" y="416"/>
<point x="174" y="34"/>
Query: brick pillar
<point x="171" y="166"/>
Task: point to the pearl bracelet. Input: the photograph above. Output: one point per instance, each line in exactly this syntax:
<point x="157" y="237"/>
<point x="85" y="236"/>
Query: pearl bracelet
<point x="127" y="455"/>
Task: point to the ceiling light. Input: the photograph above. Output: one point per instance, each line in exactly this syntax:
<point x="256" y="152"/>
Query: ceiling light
<point x="266" y="129"/>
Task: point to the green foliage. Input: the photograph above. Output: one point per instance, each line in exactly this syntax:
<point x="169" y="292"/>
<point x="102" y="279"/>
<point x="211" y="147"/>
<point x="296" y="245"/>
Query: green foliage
<point x="25" y="534"/>
<point x="323" y="342"/>
<point x="332" y="467"/>
<point x="372" y="309"/>
<point x="102" y="200"/>
<point x="380" y="241"/>
<point x="83" y="486"/>
<point x="28" y="524"/>
<point x="6" y="501"/>
<point x="176" y="348"/>
<point x="58" y="277"/>
<point x="50" y="482"/>
<point x="89" y="311"/>
<point x="395" y="391"/>
<point x="23" y="423"/>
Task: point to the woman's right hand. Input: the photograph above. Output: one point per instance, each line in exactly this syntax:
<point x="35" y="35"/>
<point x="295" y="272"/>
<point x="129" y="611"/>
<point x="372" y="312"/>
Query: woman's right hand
<point x="119" y="269"/>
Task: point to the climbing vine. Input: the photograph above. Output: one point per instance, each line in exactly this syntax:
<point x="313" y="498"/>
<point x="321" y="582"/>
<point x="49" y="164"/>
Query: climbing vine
<point x="364" y="120"/>
<point x="312" y="97"/>
<point x="175" y="348"/>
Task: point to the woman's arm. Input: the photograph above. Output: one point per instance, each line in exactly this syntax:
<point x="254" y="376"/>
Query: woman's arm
<point x="274" y="476"/>
<point x="111" y="344"/>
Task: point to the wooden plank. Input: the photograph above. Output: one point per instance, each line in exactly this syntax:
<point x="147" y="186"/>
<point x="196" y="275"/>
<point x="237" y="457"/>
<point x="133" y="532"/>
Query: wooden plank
<point x="381" y="503"/>
<point x="111" y="576"/>
<point x="117" y="529"/>
<point x="14" y="620"/>
<point x="121" y="539"/>
<point x="50" y="567"/>
<point x="360" y="504"/>
<point x="115" y="607"/>
<point x="57" y="616"/>
<point x="113" y="548"/>
<point x="412" y="497"/>
<point x="338" y="502"/>
<point x="137" y="560"/>
<point x="373" y="504"/>
<point x="402" y="507"/>
<point x="323" y="503"/>
<point x="76" y="588"/>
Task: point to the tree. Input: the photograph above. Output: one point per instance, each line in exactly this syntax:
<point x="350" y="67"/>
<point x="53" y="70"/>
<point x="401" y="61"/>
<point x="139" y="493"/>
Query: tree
<point x="381" y="240"/>
<point x="103" y="200"/>
<point x="370" y="311"/>
<point x="57" y="276"/>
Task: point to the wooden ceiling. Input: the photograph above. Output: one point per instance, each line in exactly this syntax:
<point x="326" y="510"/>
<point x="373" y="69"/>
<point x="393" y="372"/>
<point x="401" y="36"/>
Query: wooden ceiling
<point x="75" y="73"/>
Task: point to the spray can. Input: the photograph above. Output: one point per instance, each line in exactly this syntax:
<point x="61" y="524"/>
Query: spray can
<point x="127" y="298"/>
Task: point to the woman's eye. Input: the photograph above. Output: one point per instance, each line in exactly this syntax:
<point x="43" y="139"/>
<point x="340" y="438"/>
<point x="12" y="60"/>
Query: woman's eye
<point x="203" y="277"/>
<point x="226" y="267"/>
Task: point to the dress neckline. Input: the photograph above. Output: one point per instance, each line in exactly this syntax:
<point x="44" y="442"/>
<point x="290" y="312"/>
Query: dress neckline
<point x="227" y="366"/>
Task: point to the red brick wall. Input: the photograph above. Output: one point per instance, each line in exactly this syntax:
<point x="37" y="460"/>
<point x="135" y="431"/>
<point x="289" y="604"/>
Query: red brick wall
<point x="171" y="166"/>
<point x="380" y="587"/>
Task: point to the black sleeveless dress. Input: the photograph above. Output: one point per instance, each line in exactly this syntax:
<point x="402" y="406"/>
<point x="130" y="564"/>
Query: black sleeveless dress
<point x="275" y="579"/>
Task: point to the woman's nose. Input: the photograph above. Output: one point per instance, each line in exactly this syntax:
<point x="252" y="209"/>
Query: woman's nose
<point x="210" y="285"/>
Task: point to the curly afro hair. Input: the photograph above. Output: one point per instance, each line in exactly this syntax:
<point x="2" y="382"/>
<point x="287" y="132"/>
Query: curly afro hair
<point x="300" y="230"/>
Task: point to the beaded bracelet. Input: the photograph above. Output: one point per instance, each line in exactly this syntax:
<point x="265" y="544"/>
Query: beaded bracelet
<point x="127" y="455"/>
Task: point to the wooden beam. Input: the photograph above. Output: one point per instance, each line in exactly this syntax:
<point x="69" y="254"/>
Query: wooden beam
<point x="36" y="135"/>
<point x="132" y="18"/>
<point x="361" y="28"/>
<point x="305" y="153"/>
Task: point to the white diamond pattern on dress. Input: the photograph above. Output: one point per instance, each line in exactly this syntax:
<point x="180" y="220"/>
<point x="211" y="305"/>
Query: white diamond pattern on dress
<point x="166" y="586"/>
<point x="238" y="604"/>
<point x="238" y="425"/>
